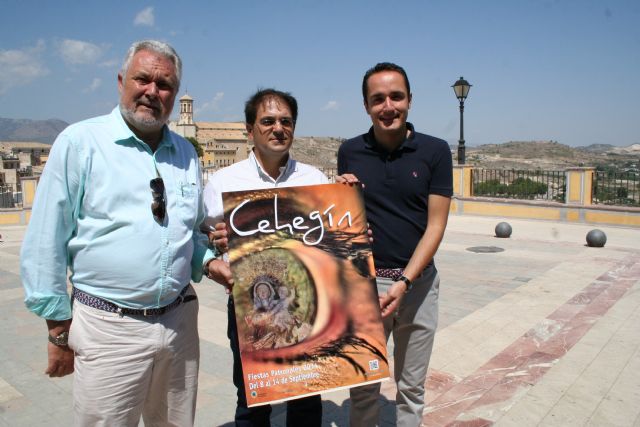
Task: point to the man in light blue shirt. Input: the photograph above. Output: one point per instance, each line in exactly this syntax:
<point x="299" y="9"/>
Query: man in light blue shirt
<point x="118" y="207"/>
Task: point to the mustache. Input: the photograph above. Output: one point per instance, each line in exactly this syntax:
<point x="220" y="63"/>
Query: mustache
<point x="151" y="103"/>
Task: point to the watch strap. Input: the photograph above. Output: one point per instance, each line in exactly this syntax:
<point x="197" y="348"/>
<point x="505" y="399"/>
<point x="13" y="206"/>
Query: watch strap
<point x="61" y="340"/>
<point x="205" y="267"/>
<point x="407" y="282"/>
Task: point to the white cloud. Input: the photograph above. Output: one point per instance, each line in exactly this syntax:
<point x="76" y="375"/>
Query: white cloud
<point x="214" y="104"/>
<point x="77" y="52"/>
<point x="331" y="105"/>
<point x="111" y="63"/>
<point x="21" y="67"/>
<point x="145" y="18"/>
<point x="95" y="84"/>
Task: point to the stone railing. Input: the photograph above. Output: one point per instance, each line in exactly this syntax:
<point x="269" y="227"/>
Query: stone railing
<point x="577" y="206"/>
<point x="578" y="203"/>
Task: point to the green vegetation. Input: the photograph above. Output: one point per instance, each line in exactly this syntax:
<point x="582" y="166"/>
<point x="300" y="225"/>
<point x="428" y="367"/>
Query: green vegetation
<point x="196" y="145"/>
<point x="613" y="187"/>
<point x="520" y="188"/>
<point x="614" y="196"/>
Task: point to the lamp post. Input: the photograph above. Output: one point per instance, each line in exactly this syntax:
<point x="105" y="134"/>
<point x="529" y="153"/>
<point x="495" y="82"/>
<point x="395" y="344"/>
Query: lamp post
<point x="461" y="89"/>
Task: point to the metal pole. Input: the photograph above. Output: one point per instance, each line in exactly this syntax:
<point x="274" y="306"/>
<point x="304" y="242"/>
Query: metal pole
<point x="461" y="148"/>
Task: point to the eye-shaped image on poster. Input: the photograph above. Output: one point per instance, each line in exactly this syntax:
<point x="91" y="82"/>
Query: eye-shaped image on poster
<point x="305" y="298"/>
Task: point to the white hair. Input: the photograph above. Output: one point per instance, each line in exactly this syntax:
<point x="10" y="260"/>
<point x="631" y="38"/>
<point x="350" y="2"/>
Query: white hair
<point x="158" y="47"/>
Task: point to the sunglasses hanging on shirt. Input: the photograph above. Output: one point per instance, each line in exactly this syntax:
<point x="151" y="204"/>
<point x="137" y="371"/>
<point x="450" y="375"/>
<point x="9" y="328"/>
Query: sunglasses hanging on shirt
<point x="158" y="205"/>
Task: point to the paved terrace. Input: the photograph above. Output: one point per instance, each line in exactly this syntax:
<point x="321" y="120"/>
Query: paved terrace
<point x="542" y="333"/>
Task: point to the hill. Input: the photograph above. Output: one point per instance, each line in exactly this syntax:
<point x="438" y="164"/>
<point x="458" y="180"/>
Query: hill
<point x="551" y="155"/>
<point x="545" y="155"/>
<point x="31" y="130"/>
<point x="321" y="152"/>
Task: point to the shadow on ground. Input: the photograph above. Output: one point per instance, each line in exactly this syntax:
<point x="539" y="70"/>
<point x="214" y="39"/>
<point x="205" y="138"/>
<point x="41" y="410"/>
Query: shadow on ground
<point x="333" y="414"/>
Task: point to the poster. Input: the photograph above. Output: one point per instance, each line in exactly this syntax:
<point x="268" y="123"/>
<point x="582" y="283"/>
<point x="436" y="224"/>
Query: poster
<point x="304" y="290"/>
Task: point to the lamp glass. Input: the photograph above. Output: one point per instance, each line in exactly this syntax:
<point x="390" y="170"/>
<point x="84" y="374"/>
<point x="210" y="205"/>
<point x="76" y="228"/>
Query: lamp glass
<point x="461" y="88"/>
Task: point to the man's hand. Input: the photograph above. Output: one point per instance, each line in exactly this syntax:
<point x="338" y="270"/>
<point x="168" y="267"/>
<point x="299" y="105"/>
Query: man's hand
<point x="390" y="302"/>
<point x="347" y="178"/>
<point x="351" y="179"/>
<point x="219" y="271"/>
<point x="218" y="237"/>
<point x="60" y="358"/>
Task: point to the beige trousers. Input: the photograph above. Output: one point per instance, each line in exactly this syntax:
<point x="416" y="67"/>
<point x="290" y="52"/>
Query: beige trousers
<point x="132" y="366"/>
<point x="413" y="327"/>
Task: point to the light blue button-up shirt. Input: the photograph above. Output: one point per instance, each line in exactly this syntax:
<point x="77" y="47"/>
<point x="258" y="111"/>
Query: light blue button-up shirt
<point x="92" y="218"/>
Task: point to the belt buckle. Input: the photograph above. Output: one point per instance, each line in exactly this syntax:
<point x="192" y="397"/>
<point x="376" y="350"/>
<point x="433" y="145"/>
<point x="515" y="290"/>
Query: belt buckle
<point x="144" y="312"/>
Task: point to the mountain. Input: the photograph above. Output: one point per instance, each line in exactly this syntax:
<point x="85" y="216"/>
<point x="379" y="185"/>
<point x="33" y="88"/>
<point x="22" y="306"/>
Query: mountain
<point x="597" y="148"/>
<point x="31" y="130"/>
<point x="322" y="151"/>
<point x="529" y="155"/>
<point x="551" y="155"/>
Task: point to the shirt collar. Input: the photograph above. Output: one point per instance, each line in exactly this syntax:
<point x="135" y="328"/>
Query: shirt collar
<point x="409" y="143"/>
<point x="285" y="170"/>
<point x="124" y="134"/>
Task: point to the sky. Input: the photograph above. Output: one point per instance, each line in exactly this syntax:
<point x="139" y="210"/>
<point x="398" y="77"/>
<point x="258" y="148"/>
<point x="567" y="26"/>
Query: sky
<point x="564" y="70"/>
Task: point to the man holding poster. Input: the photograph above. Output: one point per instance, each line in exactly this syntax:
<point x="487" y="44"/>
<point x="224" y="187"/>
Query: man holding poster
<point x="407" y="179"/>
<point x="270" y="121"/>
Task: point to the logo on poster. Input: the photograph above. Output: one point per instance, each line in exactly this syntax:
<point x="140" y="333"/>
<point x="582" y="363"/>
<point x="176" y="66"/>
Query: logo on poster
<point x="298" y="223"/>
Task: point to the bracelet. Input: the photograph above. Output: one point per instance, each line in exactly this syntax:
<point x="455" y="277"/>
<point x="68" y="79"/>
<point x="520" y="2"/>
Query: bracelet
<point x="407" y="282"/>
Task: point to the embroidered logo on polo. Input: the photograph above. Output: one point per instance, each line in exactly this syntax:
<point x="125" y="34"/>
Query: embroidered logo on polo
<point x="415" y="174"/>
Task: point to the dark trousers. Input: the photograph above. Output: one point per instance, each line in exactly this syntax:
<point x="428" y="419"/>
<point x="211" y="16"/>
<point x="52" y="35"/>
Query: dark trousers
<point x="300" y="412"/>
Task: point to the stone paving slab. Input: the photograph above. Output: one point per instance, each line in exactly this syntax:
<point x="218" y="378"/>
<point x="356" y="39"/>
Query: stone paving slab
<point x="494" y="308"/>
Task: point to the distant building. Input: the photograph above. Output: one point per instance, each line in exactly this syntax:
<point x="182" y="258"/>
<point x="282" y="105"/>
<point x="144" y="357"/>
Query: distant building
<point x="10" y="169"/>
<point x="223" y="143"/>
<point x="29" y="153"/>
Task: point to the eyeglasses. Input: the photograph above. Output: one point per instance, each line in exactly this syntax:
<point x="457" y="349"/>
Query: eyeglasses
<point x="158" y="206"/>
<point x="285" y="122"/>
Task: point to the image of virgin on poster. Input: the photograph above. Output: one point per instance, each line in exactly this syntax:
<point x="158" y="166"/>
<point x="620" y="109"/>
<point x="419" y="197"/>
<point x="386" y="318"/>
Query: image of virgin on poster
<point x="306" y="304"/>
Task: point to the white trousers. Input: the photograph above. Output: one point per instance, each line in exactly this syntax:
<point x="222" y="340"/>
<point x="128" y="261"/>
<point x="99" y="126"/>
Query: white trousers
<point x="413" y="327"/>
<point x="132" y="366"/>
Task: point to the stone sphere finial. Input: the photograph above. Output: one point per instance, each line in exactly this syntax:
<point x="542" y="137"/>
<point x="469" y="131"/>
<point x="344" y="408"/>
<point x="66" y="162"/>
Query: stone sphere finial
<point x="596" y="238"/>
<point x="503" y="230"/>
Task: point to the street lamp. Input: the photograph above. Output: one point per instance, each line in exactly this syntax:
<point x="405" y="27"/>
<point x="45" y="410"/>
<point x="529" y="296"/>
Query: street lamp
<point x="461" y="89"/>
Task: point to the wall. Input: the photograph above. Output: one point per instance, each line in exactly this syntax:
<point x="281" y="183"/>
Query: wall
<point x="578" y="208"/>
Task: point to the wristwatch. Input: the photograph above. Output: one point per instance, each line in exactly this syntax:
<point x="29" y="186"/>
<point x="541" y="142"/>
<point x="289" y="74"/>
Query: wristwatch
<point x="407" y="282"/>
<point x="205" y="268"/>
<point x="61" y="340"/>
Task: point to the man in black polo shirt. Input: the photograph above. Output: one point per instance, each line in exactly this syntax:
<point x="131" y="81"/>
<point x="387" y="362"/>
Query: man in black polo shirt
<point x="407" y="179"/>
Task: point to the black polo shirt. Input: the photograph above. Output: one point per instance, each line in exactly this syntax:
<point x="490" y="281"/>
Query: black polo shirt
<point x="397" y="187"/>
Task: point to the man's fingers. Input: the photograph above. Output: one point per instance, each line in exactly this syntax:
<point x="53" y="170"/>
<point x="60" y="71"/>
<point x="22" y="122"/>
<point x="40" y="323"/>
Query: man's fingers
<point x="390" y="308"/>
<point x="346" y="178"/>
<point x="220" y="272"/>
<point x="388" y="304"/>
<point x="58" y="369"/>
<point x="384" y="300"/>
<point x="60" y="362"/>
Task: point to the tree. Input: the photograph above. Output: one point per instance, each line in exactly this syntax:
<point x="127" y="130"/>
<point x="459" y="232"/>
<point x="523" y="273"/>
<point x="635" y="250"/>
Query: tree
<point x="196" y="145"/>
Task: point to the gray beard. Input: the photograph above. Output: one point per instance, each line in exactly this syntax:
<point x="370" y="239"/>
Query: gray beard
<point x="145" y="124"/>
